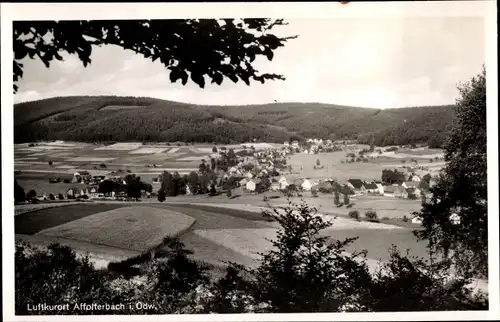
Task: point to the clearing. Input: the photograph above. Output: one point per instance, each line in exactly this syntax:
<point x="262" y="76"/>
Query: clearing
<point x="133" y="228"/>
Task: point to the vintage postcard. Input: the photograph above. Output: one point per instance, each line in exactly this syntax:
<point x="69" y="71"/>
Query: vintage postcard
<point x="250" y="161"/>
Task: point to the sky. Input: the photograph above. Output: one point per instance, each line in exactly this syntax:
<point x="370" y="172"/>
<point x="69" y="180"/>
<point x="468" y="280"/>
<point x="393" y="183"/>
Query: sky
<point x="367" y="62"/>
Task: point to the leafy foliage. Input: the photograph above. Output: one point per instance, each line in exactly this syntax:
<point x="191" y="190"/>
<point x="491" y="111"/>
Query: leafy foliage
<point x="19" y="195"/>
<point x="462" y="188"/>
<point x="407" y="283"/>
<point x="354" y="214"/>
<point x="392" y="176"/>
<point x="193" y="49"/>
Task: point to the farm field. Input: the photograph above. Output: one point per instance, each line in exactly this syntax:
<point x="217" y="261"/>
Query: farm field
<point x="132" y="228"/>
<point x="84" y="227"/>
<point x="305" y="164"/>
<point x="146" y="160"/>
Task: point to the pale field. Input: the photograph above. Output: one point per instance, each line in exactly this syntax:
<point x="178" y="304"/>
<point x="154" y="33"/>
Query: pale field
<point x="125" y="146"/>
<point x="24" y="209"/>
<point x="251" y="242"/>
<point x="174" y="150"/>
<point x="304" y="165"/>
<point x="148" y="151"/>
<point x="30" y="163"/>
<point x="87" y="159"/>
<point x="65" y="166"/>
<point x="195" y="158"/>
<point x="38" y="154"/>
<point x="132" y="228"/>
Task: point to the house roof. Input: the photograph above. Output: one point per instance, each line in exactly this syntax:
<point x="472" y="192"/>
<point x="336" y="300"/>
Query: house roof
<point x="370" y="186"/>
<point x="411" y="184"/>
<point x="356" y="183"/>
<point x="389" y="189"/>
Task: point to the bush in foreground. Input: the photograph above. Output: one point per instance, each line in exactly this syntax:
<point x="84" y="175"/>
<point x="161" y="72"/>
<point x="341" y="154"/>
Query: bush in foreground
<point x="354" y="214"/>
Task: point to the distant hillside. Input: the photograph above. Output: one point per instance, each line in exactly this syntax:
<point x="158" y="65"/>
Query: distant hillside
<point x="111" y="118"/>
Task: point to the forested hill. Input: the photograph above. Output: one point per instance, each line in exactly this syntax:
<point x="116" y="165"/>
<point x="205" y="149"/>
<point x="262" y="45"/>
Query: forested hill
<point x="111" y="118"/>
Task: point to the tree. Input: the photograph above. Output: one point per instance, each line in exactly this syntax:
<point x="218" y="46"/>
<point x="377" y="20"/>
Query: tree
<point x="31" y="194"/>
<point x="305" y="271"/>
<point x="51" y="163"/>
<point x="52" y="197"/>
<point x="203" y="167"/>
<point x="213" y="191"/>
<point x="462" y="189"/>
<point x="212" y="164"/>
<point x="317" y="162"/>
<point x="423" y="198"/>
<point x="60" y="196"/>
<point x="193" y="181"/>
<point x="56" y="276"/>
<point x="336" y="197"/>
<point x="392" y="177"/>
<point x="193" y="49"/>
<point x="161" y="195"/>
<point x="133" y="185"/>
<point x="169" y="185"/>
<point x="19" y="195"/>
<point x="346" y="199"/>
<point x="214" y="149"/>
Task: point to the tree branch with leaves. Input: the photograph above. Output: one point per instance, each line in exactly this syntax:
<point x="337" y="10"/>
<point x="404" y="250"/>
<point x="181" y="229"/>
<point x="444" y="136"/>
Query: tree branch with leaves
<point x="196" y="49"/>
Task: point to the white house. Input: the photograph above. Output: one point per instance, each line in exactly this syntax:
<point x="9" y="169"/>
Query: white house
<point x="380" y="188"/>
<point x="250" y="186"/>
<point x="416" y="220"/>
<point x="416" y="178"/>
<point x="275" y="186"/>
<point x="306" y="185"/>
<point x="409" y="184"/>
<point x="283" y="183"/>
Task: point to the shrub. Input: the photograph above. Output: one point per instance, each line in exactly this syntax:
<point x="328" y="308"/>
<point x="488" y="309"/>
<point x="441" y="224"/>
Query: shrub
<point x="102" y="165"/>
<point x="354" y="214"/>
<point x="371" y="215"/>
<point x="162" y="195"/>
<point x="349" y="205"/>
<point x="51" y="163"/>
<point x="60" y="196"/>
<point x="314" y="193"/>
<point x="404" y="219"/>
<point x="67" y="181"/>
<point x="340" y="204"/>
<point x="386" y="218"/>
<point x="51" y="197"/>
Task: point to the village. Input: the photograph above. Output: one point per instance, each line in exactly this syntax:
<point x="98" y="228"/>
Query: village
<point x="252" y="171"/>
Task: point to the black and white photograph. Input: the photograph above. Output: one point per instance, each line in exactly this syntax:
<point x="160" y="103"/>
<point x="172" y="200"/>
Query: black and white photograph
<point x="312" y="161"/>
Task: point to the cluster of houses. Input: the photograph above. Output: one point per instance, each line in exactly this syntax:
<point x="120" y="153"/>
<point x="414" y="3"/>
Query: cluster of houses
<point x="262" y="170"/>
<point x="311" y="146"/>
<point x="404" y="190"/>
